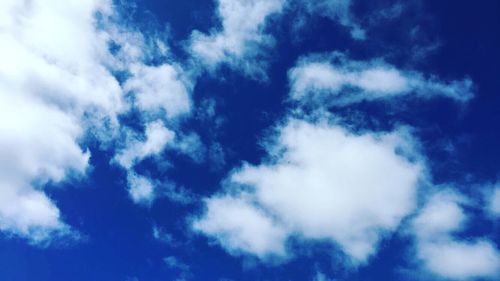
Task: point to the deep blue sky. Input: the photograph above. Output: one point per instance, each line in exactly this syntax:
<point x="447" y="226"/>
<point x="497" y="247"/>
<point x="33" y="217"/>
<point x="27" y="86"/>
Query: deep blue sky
<point x="119" y="243"/>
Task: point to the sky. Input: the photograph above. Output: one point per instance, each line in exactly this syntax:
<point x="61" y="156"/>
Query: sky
<point x="145" y="140"/>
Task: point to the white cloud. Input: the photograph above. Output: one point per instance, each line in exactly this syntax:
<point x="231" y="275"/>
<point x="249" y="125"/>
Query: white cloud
<point x="160" y="88"/>
<point x="57" y="88"/>
<point x="144" y="190"/>
<point x="441" y="215"/>
<point x="157" y="136"/>
<point x="462" y="260"/>
<point x="141" y="189"/>
<point x="240" y="40"/>
<point x="190" y="145"/>
<point x="341" y="81"/>
<point x="239" y="226"/>
<point x="322" y="182"/>
<point x="52" y="75"/>
<point x="442" y="253"/>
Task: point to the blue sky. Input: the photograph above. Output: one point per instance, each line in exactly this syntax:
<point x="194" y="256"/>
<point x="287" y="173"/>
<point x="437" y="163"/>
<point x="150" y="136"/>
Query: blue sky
<point x="249" y="140"/>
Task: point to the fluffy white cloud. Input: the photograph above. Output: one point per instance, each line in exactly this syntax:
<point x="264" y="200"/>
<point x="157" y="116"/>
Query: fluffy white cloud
<point x="462" y="260"/>
<point x="141" y="189"/>
<point x="240" y="41"/>
<point x="240" y="226"/>
<point x="160" y="88"/>
<point x="442" y="253"/>
<point x="157" y="136"/>
<point x="321" y="182"/>
<point x="342" y="81"/>
<point x="441" y="215"/>
<point x="52" y="76"/>
<point x="57" y="87"/>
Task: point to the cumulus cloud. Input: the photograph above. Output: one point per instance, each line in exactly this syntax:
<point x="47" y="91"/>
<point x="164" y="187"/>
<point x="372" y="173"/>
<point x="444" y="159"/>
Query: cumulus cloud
<point x="342" y="81"/>
<point x="441" y="252"/>
<point x="239" y="226"/>
<point x="57" y="89"/>
<point x="52" y="77"/>
<point x="241" y="38"/>
<point x="321" y="182"/>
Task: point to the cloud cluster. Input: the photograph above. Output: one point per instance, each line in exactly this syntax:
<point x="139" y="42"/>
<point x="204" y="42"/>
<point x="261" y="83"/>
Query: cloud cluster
<point x="442" y="253"/>
<point x="58" y="87"/>
<point x="321" y="182"/>
<point x="53" y="86"/>
<point x="70" y="70"/>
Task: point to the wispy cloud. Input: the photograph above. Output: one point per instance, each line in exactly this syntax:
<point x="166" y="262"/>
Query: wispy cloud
<point x="241" y="39"/>
<point x="335" y="79"/>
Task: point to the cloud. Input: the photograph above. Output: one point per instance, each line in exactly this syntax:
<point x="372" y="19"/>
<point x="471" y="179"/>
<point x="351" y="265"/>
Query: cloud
<point x="321" y="182"/>
<point x="442" y="214"/>
<point x="141" y="189"/>
<point x="338" y="80"/>
<point x="53" y="87"/>
<point x="58" y="90"/>
<point x="441" y="252"/>
<point x="160" y="87"/>
<point x="337" y="10"/>
<point x="241" y="39"/>
<point x="494" y="202"/>
<point x="239" y="226"/>
<point x="157" y="136"/>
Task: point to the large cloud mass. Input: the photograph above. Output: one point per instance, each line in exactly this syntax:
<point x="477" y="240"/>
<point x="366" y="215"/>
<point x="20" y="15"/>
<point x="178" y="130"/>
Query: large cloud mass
<point x="322" y="182"/>
<point x="57" y="86"/>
